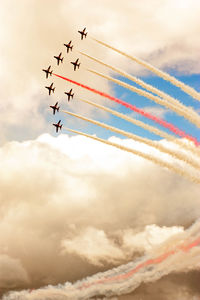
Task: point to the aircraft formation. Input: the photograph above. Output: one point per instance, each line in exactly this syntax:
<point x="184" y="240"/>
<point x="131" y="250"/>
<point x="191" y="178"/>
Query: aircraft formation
<point x="48" y="72"/>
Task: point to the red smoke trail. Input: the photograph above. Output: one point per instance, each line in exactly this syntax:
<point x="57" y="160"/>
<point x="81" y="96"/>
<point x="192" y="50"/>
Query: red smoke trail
<point x="165" y="124"/>
<point x="156" y="260"/>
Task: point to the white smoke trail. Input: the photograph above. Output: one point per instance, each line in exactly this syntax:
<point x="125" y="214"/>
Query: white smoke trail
<point x="187" y="89"/>
<point x="187" y="112"/>
<point x="156" y="145"/>
<point x="151" y="97"/>
<point x="143" y="155"/>
<point x="180" y="252"/>
<point x="150" y="128"/>
<point x="171" y="127"/>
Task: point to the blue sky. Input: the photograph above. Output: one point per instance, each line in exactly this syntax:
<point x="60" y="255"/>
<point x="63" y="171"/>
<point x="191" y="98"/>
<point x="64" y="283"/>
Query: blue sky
<point x="142" y="102"/>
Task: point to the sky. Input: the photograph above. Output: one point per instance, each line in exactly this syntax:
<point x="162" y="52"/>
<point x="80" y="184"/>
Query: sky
<point x="70" y="206"/>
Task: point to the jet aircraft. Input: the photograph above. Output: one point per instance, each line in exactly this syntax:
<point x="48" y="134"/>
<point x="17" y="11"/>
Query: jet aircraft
<point x="47" y="71"/>
<point x="75" y="63"/>
<point x="55" y="107"/>
<point x="50" y="88"/>
<point x="59" y="58"/>
<point x="58" y="125"/>
<point x="83" y="33"/>
<point x="69" y="46"/>
<point x="69" y="94"/>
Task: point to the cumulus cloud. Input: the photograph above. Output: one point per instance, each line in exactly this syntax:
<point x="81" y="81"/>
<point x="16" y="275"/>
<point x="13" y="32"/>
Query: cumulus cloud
<point x="12" y="273"/>
<point x="94" y="245"/>
<point x="26" y="101"/>
<point x="149" y="238"/>
<point x="179" y="253"/>
<point x="32" y="33"/>
<point x="67" y="204"/>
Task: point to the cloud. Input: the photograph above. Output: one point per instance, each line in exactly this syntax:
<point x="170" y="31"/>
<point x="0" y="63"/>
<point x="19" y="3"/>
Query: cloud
<point x="163" y="260"/>
<point x="159" y="112"/>
<point x="24" y="54"/>
<point x="12" y="273"/>
<point x="31" y="34"/>
<point x="94" y="245"/>
<point x="152" y="236"/>
<point x="67" y="204"/>
<point x="177" y="286"/>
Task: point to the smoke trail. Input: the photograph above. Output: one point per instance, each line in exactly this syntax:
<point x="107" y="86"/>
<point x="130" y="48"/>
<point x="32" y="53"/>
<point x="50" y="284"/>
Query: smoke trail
<point x="181" y="252"/>
<point x="141" y="124"/>
<point x="187" y="89"/>
<point x="163" y="123"/>
<point x="144" y="155"/>
<point x="156" y="145"/>
<point x="181" y="109"/>
<point x="151" y="97"/>
<point x="153" y="261"/>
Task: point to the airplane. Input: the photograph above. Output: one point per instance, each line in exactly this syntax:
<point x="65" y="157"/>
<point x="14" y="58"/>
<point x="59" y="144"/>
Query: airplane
<point x="57" y="125"/>
<point x="47" y="71"/>
<point x="54" y="107"/>
<point x="69" y="94"/>
<point x="59" y="58"/>
<point x="50" y="88"/>
<point x="75" y="64"/>
<point x="83" y="33"/>
<point x="69" y="46"/>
